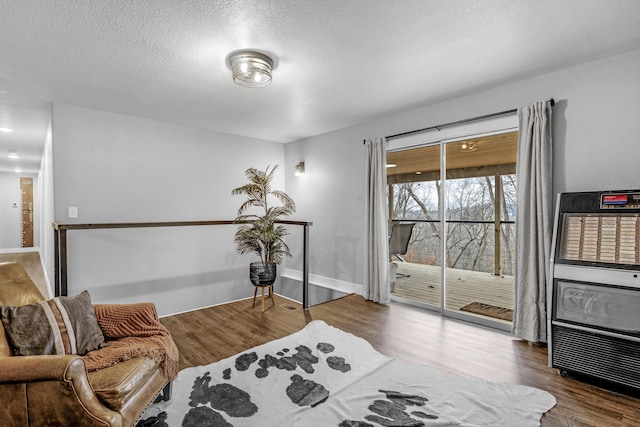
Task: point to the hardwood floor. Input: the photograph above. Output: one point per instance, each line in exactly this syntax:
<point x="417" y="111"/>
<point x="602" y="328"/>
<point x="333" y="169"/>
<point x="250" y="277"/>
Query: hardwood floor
<point x="32" y="265"/>
<point x="408" y="333"/>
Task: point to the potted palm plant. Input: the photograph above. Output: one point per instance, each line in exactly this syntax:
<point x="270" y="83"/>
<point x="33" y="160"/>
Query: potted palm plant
<point x="258" y="232"/>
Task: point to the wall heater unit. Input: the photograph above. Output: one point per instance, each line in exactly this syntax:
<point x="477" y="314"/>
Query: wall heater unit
<point x="594" y="305"/>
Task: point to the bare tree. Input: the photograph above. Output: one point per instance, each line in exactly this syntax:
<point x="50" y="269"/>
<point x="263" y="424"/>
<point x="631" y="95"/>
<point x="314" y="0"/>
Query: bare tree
<point x="468" y="243"/>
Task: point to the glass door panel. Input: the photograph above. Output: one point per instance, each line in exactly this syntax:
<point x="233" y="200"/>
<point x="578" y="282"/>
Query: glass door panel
<point x="414" y="195"/>
<point x="479" y="214"/>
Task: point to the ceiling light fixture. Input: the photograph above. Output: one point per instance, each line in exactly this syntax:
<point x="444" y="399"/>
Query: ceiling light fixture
<point x="469" y="146"/>
<point x="250" y="68"/>
<point x="6" y="130"/>
<point x="13" y="154"/>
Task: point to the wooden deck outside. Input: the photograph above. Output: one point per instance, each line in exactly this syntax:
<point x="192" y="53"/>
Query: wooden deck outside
<point x="463" y="286"/>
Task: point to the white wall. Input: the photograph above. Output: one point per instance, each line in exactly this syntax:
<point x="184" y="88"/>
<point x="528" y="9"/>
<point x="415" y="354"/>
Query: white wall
<point x="331" y="195"/>
<point x="46" y="204"/>
<point x="122" y="168"/>
<point x="596" y="146"/>
<point x="11" y="211"/>
<point x="118" y="168"/>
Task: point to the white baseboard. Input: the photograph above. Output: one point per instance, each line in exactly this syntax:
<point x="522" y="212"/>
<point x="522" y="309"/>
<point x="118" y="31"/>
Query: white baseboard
<point x="19" y="250"/>
<point x="289" y="298"/>
<point x="324" y="282"/>
<point x="203" y="307"/>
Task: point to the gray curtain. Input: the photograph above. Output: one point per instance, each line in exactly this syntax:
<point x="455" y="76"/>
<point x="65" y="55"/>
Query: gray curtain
<point x="376" y="258"/>
<point x="534" y="207"/>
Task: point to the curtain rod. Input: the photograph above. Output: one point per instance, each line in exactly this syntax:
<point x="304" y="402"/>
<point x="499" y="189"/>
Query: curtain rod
<point x="459" y="122"/>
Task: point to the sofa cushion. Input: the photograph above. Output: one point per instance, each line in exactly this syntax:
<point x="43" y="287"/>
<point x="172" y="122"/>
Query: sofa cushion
<point x="116" y="385"/>
<point x="62" y="325"/>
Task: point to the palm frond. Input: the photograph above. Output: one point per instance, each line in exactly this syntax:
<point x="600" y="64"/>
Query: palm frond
<point x="262" y="236"/>
<point x="284" y="199"/>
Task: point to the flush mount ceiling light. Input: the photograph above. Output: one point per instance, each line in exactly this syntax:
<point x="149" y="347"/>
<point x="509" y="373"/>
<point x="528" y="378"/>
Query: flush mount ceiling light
<point x="250" y="68"/>
<point x="6" y="130"/>
<point x="13" y="154"/>
<point x="469" y="146"/>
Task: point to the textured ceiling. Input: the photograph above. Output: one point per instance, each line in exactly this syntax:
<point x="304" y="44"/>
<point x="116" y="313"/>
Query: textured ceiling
<point x="339" y="62"/>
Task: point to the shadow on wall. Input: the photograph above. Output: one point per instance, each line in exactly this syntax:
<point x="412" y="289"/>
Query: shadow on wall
<point x="292" y="289"/>
<point x="176" y="294"/>
<point x="345" y="256"/>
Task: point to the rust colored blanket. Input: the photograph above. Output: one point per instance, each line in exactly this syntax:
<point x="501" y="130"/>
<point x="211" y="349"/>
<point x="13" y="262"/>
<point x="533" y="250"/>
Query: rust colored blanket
<point x="133" y="330"/>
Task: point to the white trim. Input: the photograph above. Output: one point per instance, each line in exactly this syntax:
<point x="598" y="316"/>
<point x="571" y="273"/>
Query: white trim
<point x="324" y="282"/>
<point x="19" y="250"/>
<point x="289" y="298"/>
<point x="206" y="306"/>
<point x="497" y="324"/>
<point x="223" y="303"/>
<point x="496" y="125"/>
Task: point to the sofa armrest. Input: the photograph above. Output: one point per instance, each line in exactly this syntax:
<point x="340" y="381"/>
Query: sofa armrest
<point x="38" y="368"/>
<point x="50" y="389"/>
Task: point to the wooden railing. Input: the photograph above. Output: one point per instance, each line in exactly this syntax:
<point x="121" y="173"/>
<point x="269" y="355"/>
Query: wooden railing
<point x="60" y="246"/>
<point x="497" y="229"/>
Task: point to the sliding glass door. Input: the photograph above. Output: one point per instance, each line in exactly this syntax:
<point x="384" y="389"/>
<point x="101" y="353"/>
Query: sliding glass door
<point x="460" y="256"/>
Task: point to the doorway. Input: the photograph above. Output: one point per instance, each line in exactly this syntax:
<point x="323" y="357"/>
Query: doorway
<point x="461" y="255"/>
<point x="26" y="205"/>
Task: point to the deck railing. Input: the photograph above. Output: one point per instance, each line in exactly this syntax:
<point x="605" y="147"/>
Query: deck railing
<point x="498" y="254"/>
<point x="60" y="246"/>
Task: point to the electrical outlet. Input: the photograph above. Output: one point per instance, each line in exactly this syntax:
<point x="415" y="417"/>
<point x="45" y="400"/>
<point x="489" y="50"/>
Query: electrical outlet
<point x="73" y="212"/>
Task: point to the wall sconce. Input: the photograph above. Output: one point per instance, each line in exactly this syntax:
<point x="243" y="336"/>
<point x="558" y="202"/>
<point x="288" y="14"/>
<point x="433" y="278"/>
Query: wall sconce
<point x="299" y="168"/>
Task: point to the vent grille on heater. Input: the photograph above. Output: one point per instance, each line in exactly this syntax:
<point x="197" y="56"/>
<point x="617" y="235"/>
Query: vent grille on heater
<point x="599" y="356"/>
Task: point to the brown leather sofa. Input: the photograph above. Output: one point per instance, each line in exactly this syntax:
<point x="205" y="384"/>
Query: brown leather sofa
<point x="58" y="390"/>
